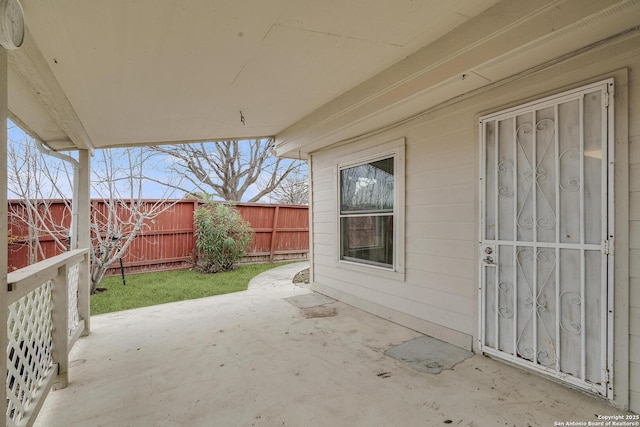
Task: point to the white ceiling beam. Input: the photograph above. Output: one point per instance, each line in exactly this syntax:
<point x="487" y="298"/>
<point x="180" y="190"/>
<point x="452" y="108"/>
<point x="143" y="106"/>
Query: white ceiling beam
<point x="30" y="65"/>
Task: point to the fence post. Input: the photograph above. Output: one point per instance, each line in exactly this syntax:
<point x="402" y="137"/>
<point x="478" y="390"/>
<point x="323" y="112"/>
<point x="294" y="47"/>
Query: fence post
<point x="60" y="333"/>
<point x="274" y="230"/>
<point x="194" y="251"/>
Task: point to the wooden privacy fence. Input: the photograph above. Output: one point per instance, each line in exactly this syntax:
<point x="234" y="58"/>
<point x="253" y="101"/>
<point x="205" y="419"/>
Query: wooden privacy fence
<point x="168" y="242"/>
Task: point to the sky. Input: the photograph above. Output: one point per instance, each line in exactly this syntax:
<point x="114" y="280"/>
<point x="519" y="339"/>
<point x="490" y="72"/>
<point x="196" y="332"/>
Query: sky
<point x="113" y="163"/>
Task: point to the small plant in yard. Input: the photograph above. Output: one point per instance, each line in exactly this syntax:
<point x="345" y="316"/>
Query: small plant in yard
<point x="222" y="237"/>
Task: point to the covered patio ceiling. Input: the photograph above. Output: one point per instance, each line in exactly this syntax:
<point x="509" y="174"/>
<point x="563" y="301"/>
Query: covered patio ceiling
<point x="95" y="74"/>
<point x="109" y="73"/>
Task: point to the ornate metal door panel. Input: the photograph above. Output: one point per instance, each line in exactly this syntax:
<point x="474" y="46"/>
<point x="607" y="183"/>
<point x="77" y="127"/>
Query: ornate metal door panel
<point x="544" y="257"/>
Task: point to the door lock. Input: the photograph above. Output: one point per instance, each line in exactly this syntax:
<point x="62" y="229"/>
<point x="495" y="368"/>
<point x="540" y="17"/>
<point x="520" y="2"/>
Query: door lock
<point x="487" y="254"/>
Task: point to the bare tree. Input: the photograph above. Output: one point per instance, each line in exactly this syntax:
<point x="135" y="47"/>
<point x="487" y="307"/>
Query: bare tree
<point x="293" y="190"/>
<point x="37" y="181"/>
<point x="118" y="179"/>
<point x="228" y="170"/>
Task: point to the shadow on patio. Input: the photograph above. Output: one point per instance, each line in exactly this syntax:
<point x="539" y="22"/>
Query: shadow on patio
<point x="253" y="358"/>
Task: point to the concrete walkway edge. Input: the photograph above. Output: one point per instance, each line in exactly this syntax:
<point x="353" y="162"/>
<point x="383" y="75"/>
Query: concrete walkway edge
<point x="278" y="276"/>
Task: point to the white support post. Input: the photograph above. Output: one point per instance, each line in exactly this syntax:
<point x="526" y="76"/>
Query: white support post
<point x="60" y="333"/>
<point x="84" y="236"/>
<point x="3" y="228"/>
<point x="310" y="255"/>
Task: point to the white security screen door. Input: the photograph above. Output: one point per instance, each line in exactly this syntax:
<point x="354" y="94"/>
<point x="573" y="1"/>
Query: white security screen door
<point x="545" y="261"/>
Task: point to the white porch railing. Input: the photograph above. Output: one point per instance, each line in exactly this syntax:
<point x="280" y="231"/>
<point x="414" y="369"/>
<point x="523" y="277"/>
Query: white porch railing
<point x="45" y="316"/>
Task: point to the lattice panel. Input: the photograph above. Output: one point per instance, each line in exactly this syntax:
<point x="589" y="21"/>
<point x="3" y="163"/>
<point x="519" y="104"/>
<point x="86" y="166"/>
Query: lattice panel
<point x="29" y="359"/>
<point x="73" y="277"/>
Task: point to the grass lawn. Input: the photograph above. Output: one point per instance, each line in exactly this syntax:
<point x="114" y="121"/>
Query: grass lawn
<point x="147" y="289"/>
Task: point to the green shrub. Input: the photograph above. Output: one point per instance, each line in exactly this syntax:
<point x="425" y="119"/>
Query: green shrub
<point x="222" y="237"/>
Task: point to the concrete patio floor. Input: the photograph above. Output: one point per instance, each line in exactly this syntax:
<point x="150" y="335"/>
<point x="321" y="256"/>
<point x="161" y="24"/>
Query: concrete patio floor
<point x="253" y="359"/>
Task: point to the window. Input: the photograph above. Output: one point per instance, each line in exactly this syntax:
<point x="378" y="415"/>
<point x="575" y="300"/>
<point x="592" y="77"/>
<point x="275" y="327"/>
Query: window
<point x="367" y="208"/>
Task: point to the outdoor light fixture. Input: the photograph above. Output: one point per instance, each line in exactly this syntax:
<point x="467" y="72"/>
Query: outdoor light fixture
<point x="11" y="24"/>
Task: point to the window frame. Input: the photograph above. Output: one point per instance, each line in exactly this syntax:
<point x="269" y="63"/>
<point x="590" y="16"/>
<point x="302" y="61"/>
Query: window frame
<point x="396" y="150"/>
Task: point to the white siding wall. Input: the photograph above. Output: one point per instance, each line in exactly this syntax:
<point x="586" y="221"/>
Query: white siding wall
<point x="439" y="293"/>
<point x="634" y="233"/>
<point x="440" y="215"/>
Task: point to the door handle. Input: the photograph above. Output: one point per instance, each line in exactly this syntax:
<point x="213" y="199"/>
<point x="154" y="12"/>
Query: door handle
<point x="487" y="254"/>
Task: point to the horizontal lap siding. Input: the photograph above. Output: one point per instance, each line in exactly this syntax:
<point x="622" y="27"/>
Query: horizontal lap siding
<point x="429" y="179"/>
<point x="441" y="194"/>
<point x="405" y="298"/>
<point x="442" y="248"/>
<point x="324" y="215"/>
<point x="634" y="235"/>
<point x="439" y="215"/>
<point x="634" y="230"/>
